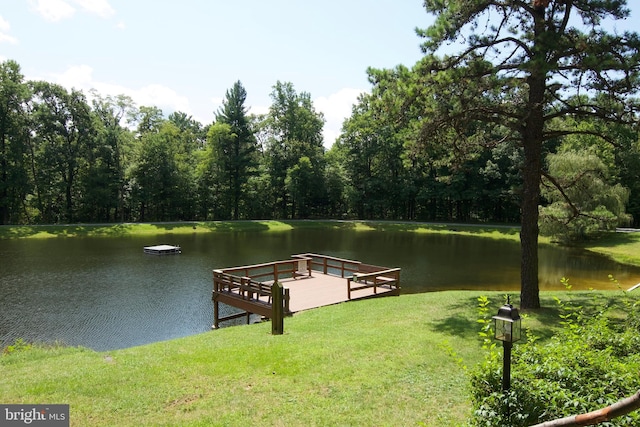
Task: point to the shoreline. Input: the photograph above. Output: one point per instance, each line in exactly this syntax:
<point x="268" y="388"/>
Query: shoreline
<point x="623" y="247"/>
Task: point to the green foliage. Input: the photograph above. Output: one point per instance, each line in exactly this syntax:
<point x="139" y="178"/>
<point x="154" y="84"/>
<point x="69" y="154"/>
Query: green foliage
<point x="235" y="154"/>
<point x="15" y="184"/>
<point x="591" y="363"/>
<point x="293" y="132"/>
<point x="18" y="345"/>
<point x="583" y="201"/>
<point x="484" y="319"/>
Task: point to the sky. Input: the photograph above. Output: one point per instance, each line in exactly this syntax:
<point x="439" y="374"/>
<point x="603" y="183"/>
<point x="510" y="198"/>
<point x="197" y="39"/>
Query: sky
<point x="184" y="55"/>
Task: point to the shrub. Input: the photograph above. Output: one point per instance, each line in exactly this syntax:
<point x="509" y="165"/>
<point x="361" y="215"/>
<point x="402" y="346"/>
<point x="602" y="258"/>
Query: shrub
<point x="592" y="363"/>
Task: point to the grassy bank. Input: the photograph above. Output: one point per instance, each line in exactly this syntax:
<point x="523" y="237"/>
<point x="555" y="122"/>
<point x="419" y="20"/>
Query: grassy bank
<point x="622" y="247"/>
<point x="387" y="362"/>
<point x="181" y="228"/>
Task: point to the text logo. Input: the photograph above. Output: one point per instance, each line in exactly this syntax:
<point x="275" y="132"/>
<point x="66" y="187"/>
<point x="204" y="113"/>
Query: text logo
<point x="34" y="415"/>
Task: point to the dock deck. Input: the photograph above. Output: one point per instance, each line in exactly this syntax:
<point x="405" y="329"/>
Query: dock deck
<point x="324" y="289"/>
<point x="307" y="281"/>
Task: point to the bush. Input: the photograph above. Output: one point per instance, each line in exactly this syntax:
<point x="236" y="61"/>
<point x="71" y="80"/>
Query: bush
<point x="592" y="363"/>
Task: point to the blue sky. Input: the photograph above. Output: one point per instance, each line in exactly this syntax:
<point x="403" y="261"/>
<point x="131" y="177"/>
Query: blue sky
<point x="184" y="55"/>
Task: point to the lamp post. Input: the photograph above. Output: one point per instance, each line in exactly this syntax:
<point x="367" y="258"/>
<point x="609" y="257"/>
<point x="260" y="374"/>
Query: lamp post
<point x="507" y="330"/>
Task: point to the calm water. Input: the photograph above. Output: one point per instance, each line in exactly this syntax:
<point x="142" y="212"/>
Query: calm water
<point x="104" y="293"/>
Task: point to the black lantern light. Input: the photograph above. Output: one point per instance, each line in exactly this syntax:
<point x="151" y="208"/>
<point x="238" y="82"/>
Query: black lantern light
<point x="507" y="329"/>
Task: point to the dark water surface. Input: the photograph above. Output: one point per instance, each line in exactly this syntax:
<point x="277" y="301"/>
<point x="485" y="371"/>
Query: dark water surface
<point x="104" y="293"/>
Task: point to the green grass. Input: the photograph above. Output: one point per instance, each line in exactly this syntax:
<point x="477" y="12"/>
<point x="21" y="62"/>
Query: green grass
<point x="127" y="229"/>
<point x="387" y="362"/>
<point x="124" y="229"/>
<point x="621" y="247"/>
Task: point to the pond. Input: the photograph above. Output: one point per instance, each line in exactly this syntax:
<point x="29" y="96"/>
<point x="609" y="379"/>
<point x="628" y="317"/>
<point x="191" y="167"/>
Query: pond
<point x="105" y="293"/>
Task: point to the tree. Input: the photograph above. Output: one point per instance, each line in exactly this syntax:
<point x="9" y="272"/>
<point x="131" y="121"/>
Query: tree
<point x="149" y="119"/>
<point x="238" y="156"/>
<point x="294" y="131"/>
<point x="159" y="180"/>
<point x="522" y="67"/>
<point x="335" y="179"/>
<point x="14" y="183"/>
<point x="216" y="177"/>
<point x="105" y="180"/>
<point x="65" y="132"/>
<point x="301" y="185"/>
<point x="583" y="201"/>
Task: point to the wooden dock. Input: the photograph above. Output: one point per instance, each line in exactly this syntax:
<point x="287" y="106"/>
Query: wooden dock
<point x="306" y="281"/>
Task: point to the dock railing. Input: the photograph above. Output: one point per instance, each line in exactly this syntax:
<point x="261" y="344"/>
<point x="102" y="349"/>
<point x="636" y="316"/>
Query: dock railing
<point x="389" y="279"/>
<point x="330" y="265"/>
<point x="252" y="288"/>
<point x="249" y="295"/>
<point x="273" y="271"/>
<point x="249" y="288"/>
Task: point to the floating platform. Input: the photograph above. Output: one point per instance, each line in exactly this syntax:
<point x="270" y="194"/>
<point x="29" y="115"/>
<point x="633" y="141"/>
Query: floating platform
<point x="162" y="250"/>
<point x="307" y="281"/>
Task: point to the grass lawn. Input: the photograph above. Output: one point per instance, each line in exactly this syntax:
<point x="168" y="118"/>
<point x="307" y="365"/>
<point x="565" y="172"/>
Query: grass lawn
<point x="73" y="230"/>
<point x="388" y="362"/>
<point x="622" y="247"/>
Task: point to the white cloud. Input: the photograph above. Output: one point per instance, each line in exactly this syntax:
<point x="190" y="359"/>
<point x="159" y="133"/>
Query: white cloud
<point x="76" y="77"/>
<point x="336" y="107"/>
<point x="53" y="10"/>
<point x="81" y="78"/>
<point x="101" y="8"/>
<point x="57" y="10"/>
<point x="216" y="102"/>
<point x="4" y="29"/>
<point x="4" y="25"/>
<point x="6" y="38"/>
<point x="121" y="25"/>
<point x="162" y="97"/>
<point x="258" y="109"/>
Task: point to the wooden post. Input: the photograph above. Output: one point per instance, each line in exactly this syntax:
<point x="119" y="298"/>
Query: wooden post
<point x="277" y="309"/>
<point x="216" y="313"/>
<point x="216" y="308"/>
<point x="287" y="298"/>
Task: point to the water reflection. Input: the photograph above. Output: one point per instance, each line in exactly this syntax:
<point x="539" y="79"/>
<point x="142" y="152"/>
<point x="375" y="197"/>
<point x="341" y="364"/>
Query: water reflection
<point x="104" y="293"/>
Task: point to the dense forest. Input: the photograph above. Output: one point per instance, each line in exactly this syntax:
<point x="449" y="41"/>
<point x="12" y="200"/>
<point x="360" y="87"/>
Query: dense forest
<point x="66" y="159"/>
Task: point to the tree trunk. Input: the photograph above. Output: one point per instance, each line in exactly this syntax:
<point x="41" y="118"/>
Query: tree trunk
<point x="529" y="289"/>
<point x="69" y="200"/>
<point x="4" y="196"/>
<point x="532" y="138"/>
<point x="531" y="177"/>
